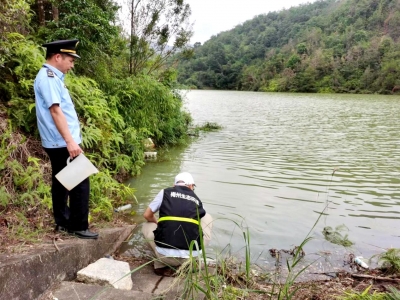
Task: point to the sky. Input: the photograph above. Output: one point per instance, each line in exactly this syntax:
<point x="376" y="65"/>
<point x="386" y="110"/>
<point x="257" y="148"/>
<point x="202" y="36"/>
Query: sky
<point x="213" y="16"/>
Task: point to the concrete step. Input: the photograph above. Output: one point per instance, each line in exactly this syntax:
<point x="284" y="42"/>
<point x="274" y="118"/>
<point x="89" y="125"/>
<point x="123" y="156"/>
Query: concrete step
<point x="29" y="275"/>
<point x="144" y="280"/>
<point x="69" y="290"/>
<point x="146" y="285"/>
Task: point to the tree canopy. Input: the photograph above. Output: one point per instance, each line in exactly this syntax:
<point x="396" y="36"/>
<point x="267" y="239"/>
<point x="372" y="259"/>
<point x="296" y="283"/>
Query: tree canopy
<point x="343" y="46"/>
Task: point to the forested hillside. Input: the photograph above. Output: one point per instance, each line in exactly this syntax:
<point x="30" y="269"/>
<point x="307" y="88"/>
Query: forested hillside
<point x="340" y="46"/>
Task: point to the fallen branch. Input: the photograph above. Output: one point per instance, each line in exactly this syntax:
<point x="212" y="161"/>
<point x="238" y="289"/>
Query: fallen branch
<point x="55" y="245"/>
<point x="375" y="277"/>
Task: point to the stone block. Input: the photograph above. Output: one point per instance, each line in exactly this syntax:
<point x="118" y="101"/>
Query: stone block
<point x="107" y="271"/>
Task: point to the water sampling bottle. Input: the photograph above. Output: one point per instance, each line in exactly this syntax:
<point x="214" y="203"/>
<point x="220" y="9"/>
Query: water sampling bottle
<point x="124" y="207"/>
<point x="359" y="262"/>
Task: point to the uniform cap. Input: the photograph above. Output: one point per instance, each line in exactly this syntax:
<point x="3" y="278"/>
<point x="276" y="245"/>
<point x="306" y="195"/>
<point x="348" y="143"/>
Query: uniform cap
<point x="184" y="179"/>
<point x="63" y="46"/>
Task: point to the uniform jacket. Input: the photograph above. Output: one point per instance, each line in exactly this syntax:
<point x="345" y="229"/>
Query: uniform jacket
<point x="179" y="201"/>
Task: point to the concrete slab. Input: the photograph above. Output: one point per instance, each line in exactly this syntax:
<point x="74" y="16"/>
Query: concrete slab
<point x="27" y="276"/>
<point x="75" y="290"/>
<point x="170" y="288"/>
<point x="174" y="288"/>
<point x="106" y="271"/>
<point x="144" y="279"/>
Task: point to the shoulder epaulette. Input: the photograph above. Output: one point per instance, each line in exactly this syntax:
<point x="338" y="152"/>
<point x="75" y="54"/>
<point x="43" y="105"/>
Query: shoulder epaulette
<point x="50" y="73"/>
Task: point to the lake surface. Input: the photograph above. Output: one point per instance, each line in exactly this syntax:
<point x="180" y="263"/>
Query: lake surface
<point x="282" y="159"/>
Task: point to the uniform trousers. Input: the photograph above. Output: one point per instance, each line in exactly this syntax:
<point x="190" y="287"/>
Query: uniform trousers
<point x="163" y="261"/>
<point x="75" y="216"/>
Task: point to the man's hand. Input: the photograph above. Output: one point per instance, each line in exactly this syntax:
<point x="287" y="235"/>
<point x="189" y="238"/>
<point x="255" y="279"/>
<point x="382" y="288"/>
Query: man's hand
<point x="73" y="149"/>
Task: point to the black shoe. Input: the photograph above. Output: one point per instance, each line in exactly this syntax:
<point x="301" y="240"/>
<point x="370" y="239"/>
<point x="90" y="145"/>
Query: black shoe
<point x="85" y="234"/>
<point x="61" y="229"/>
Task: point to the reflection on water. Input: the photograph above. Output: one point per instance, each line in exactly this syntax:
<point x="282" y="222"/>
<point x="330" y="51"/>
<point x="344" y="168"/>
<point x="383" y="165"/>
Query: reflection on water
<point x="282" y="159"/>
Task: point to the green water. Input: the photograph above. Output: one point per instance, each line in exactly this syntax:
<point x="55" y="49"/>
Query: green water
<point x="270" y="168"/>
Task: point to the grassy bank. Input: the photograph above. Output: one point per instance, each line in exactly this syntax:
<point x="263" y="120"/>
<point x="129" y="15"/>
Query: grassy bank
<point x="227" y="277"/>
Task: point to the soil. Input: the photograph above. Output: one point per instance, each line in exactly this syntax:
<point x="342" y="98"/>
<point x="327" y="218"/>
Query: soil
<point x="39" y="229"/>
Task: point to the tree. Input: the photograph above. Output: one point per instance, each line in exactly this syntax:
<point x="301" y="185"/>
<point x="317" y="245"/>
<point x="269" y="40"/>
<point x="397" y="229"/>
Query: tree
<point x="14" y="17"/>
<point x="93" y="22"/>
<point x="301" y="48"/>
<point x="158" y="29"/>
<point x="293" y="61"/>
<point x="40" y="12"/>
<point x="327" y="46"/>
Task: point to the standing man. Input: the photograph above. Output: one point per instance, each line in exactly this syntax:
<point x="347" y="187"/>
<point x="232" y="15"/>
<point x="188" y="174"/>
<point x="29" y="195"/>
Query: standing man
<point x="180" y="212"/>
<point x="60" y="134"/>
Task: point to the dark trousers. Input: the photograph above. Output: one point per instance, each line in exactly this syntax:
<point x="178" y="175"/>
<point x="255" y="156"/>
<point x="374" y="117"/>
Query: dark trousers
<point x="75" y="216"/>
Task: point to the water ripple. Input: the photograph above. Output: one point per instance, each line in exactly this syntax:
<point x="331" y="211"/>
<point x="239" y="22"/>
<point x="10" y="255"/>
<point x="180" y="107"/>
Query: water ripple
<point x="281" y="160"/>
<point x="278" y="151"/>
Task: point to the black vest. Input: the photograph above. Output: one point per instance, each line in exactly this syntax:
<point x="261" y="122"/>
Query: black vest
<point x="179" y="201"/>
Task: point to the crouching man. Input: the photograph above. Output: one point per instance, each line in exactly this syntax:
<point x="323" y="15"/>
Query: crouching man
<point x="180" y="213"/>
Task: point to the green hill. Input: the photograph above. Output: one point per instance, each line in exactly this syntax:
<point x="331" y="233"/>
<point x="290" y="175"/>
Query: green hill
<point x="343" y="46"/>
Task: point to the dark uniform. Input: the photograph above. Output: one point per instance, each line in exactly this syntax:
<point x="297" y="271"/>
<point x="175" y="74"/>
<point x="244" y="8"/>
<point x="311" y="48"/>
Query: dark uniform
<point x="180" y="214"/>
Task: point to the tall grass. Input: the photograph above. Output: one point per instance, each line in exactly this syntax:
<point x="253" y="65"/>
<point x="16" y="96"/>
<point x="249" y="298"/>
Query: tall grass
<point x="286" y="290"/>
<point x="394" y="294"/>
<point x="389" y="261"/>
